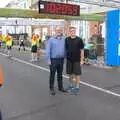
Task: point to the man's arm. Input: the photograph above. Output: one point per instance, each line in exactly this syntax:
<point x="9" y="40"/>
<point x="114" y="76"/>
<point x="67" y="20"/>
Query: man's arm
<point x="82" y="51"/>
<point x="82" y="56"/>
<point x="65" y="47"/>
<point x="48" y="50"/>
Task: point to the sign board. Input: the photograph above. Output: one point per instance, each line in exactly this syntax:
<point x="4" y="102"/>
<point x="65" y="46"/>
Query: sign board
<point x="7" y="22"/>
<point x="36" y="22"/>
<point x="58" y="8"/>
<point x="113" y="38"/>
<point x="23" y="22"/>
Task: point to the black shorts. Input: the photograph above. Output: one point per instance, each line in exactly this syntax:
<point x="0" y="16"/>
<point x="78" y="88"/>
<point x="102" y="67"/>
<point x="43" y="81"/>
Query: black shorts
<point x="9" y="47"/>
<point x="73" y="68"/>
<point x="34" y="49"/>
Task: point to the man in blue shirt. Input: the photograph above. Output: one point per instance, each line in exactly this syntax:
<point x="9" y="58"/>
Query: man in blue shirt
<point x="55" y="52"/>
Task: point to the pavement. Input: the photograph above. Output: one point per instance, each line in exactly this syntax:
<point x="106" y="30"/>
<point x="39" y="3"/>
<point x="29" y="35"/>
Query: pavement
<point x="25" y="93"/>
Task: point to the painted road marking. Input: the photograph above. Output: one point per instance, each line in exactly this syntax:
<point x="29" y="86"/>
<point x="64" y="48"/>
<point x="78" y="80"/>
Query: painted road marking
<point x="47" y="70"/>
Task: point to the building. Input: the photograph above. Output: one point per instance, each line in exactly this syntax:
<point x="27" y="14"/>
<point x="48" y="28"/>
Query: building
<point x="20" y="4"/>
<point x="23" y="4"/>
<point x="13" y="4"/>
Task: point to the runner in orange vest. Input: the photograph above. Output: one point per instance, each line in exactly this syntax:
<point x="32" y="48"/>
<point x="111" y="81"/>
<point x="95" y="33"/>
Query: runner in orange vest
<point x="0" y="40"/>
<point x="38" y="47"/>
<point x="34" y="47"/>
<point x="9" y="43"/>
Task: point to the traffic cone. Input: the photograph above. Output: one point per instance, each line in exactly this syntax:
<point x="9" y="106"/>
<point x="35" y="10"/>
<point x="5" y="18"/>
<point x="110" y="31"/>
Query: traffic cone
<point x="1" y="78"/>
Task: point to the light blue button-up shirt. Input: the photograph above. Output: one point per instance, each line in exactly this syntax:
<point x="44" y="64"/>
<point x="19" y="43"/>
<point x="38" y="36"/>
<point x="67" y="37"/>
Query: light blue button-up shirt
<point x="55" y="47"/>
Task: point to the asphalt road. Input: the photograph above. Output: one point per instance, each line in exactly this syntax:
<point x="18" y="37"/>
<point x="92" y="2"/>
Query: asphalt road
<point x="25" y="94"/>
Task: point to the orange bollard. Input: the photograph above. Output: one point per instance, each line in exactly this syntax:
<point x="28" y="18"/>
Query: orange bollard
<point x="1" y="78"/>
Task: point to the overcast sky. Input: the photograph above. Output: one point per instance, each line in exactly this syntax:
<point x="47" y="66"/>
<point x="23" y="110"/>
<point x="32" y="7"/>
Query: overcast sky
<point x="3" y="3"/>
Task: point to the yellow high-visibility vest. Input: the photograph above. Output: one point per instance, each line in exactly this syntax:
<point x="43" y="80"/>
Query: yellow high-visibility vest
<point x="38" y="42"/>
<point x="34" y="40"/>
<point x="8" y="41"/>
<point x="0" y="38"/>
<point x="3" y="38"/>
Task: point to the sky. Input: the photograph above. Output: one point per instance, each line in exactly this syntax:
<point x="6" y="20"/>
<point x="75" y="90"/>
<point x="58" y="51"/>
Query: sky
<point x="3" y="3"/>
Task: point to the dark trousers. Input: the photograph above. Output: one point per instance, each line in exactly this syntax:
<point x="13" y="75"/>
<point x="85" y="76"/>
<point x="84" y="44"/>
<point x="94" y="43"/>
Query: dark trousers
<point x="56" y="66"/>
<point x="22" y="45"/>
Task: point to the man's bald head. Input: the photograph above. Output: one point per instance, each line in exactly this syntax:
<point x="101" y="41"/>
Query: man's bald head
<point x="58" y="30"/>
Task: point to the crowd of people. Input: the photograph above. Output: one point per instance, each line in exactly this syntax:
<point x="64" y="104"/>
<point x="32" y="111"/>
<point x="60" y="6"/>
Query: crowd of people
<point x="58" y="48"/>
<point x="7" y="42"/>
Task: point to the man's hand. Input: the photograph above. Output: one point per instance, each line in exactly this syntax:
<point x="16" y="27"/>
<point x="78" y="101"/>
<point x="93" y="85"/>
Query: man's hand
<point x="81" y="62"/>
<point x="82" y="57"/>
<point x="49" y="63"/>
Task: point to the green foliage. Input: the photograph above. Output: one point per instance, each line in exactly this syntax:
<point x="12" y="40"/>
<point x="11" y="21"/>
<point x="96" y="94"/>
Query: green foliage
<point x="22" y="13"/>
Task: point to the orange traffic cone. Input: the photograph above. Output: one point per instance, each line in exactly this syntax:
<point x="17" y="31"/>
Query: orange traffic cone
<point x="1" y="78"/>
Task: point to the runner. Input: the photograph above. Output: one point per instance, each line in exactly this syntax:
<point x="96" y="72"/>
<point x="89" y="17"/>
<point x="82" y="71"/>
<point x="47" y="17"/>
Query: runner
<point x="34" y="48"/>
<point x="21" y="43"/>
<point x="9" y="44"/>
<point x="0" y="41"/>
<point x="38" y="47"/>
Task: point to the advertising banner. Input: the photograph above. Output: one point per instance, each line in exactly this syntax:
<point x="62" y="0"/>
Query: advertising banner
<point x="112" y="54"/>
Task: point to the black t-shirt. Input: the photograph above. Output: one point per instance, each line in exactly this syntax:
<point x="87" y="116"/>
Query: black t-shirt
<point x="73" y="47"/>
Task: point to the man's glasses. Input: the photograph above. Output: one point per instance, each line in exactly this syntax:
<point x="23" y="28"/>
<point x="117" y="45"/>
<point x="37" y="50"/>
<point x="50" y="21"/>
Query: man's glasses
<point x="72" y="30"/>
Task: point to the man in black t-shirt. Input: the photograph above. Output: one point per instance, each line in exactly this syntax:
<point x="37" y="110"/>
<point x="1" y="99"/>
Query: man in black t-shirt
<point x="75" y="57"/>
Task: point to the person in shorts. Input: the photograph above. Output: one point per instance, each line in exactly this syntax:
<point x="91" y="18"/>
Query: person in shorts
<point x="21" y="43"/>
<point x="0" y="41"/>
<point x="34" y="48"/>
<point x="75" y="58"/>
<point x="9" y="44"/>
<point x="38" y="47"/>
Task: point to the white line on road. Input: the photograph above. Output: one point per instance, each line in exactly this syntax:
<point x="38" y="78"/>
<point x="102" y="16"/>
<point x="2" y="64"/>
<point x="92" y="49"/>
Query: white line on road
<point x="45" y="69"/>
